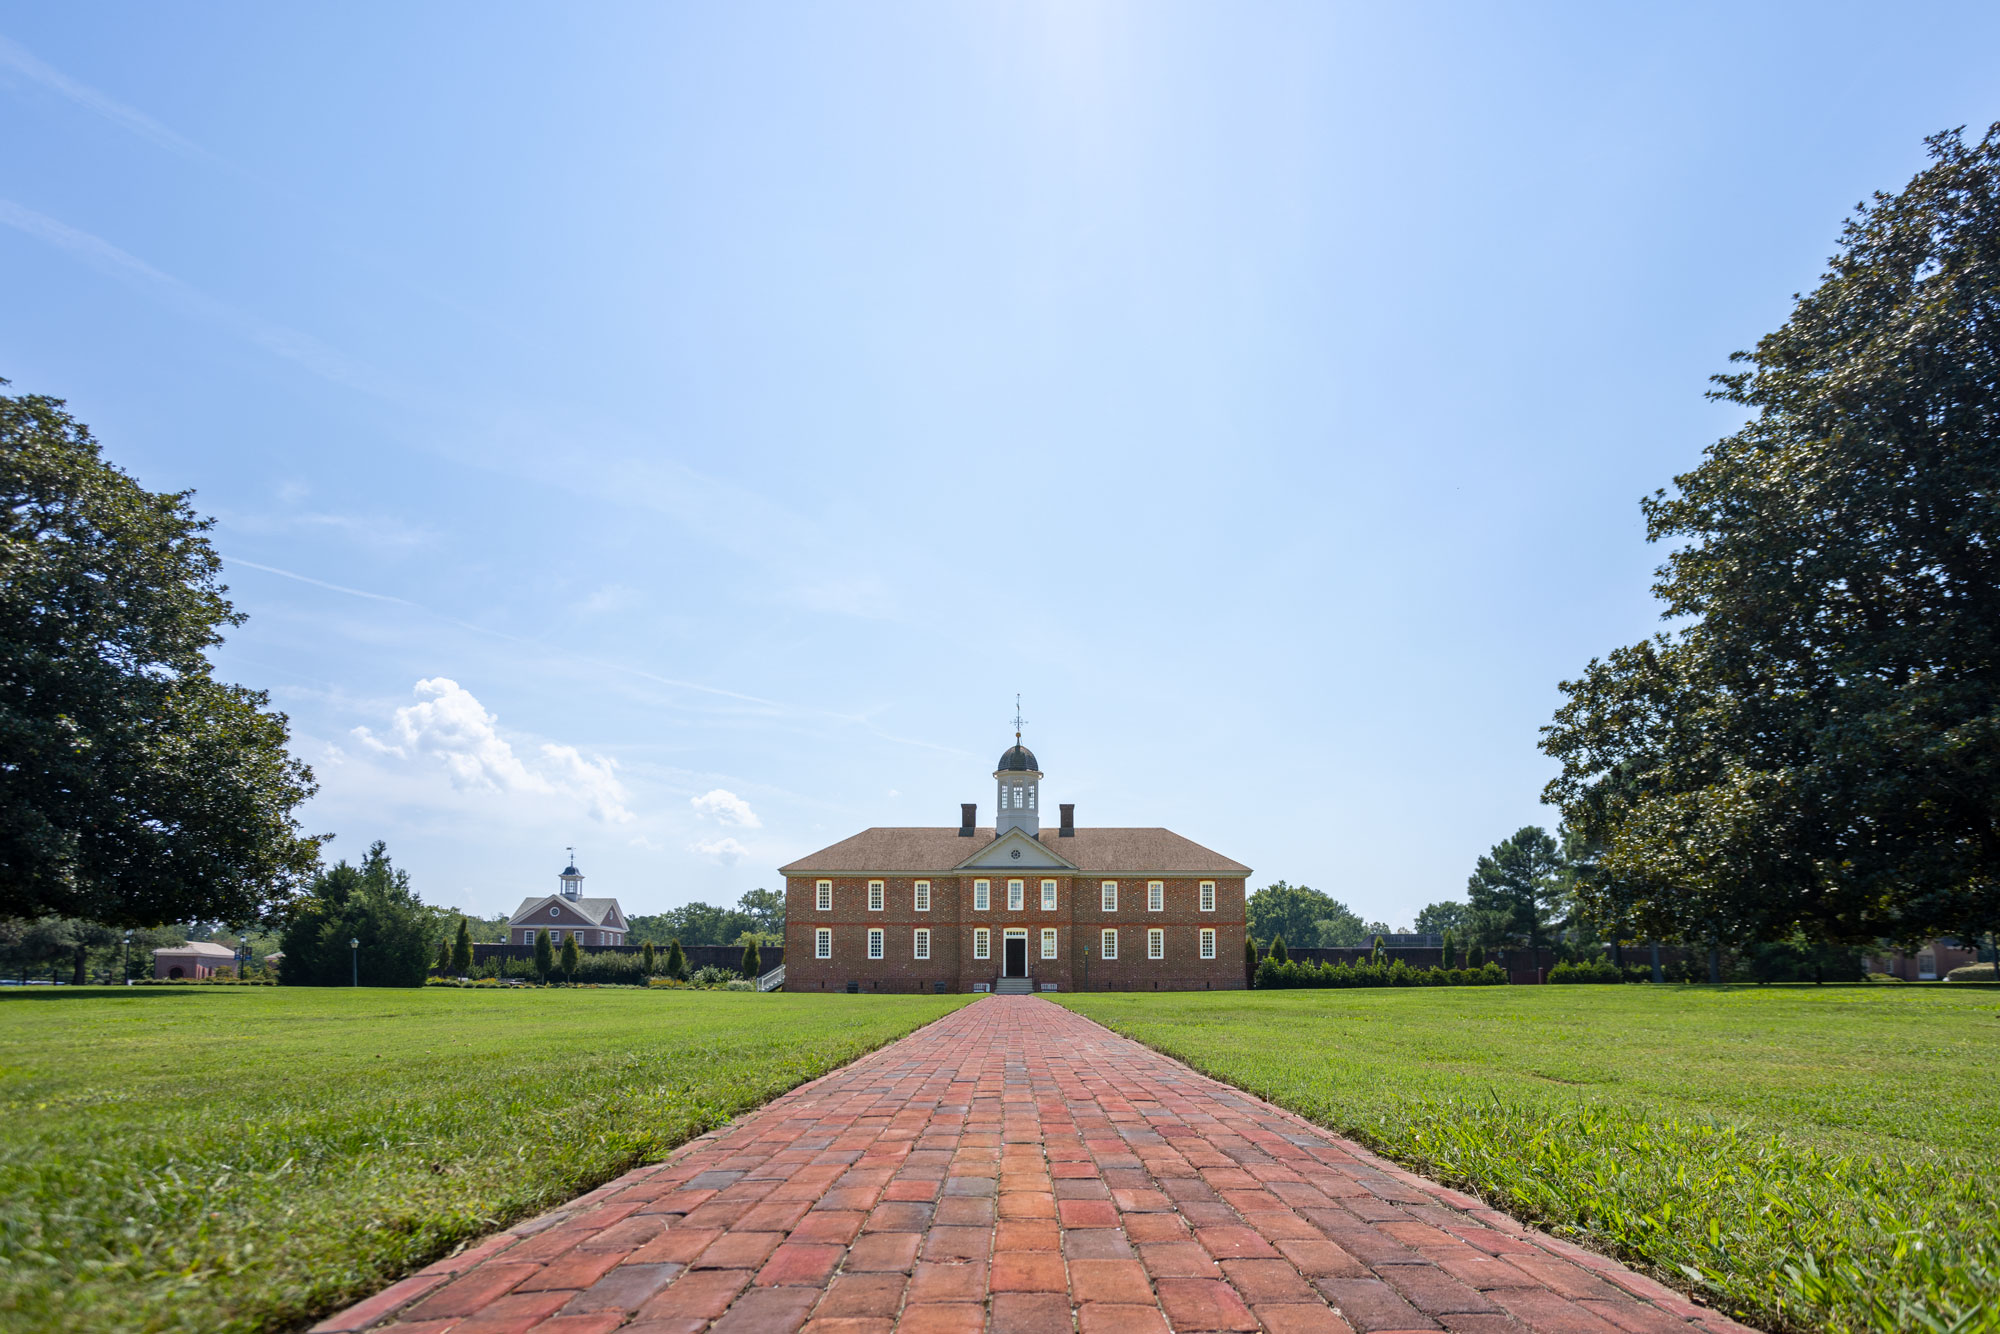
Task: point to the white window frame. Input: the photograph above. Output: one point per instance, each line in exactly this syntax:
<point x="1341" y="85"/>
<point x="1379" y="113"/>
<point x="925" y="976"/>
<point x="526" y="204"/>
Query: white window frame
<point x="1156" y="896"/>
<point x="1017" y="891"/>
<point x="1048" y="942"/>
<point x="876" y="896"/>
<point x="1156" y="943"/>
<point x="982" y="895"/>
<point x="1208" y="942"/>
<point x="823" y="896"/>
<point x="823" y="942"/>
<point x="555" y="935"/>
<point x="1048" y="896"/>
<point x="874" y="942"/>
<point x="1208" y="896"/>
<point x="922" y="893"/>
<point x="1107" y="896"/>
<point x="920" y="945"/>
<point x="982" y="942"/>
<point x="1107" y="943"/>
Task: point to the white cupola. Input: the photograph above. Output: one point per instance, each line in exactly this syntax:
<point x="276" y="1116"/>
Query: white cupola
<point x="1020" y="804"/>
<point x="572" y="879"/>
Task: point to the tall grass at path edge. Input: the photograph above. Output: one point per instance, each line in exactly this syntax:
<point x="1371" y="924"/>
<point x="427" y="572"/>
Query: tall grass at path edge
<point x="247" y="1159"/>
<point x="1803" y="1158"/>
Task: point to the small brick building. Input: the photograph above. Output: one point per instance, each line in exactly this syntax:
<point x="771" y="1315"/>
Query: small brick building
<point x="596" y="923"/>
<point x="1014" y="907"/>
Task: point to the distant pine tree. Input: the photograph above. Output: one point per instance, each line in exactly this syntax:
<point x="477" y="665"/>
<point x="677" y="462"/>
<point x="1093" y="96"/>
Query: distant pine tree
<point x="571" y="956"/>
<point x="545" y="956"/>
<point x="753" y="967"/>
<point x="677" y="962"/>
<point x="1249" y="954"/>
<point x="1278" y="954"/>
<point x="444" y="954"/>
<point x="647" y="955"/>
<point x="461" y="950"/>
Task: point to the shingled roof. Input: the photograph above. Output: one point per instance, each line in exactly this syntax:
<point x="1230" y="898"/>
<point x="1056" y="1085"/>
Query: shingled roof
<point x="923" y="851"/>
<point x="595" y="910"/>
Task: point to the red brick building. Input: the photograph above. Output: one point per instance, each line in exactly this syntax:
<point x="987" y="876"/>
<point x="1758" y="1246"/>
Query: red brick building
<point x="1014" y="907"/>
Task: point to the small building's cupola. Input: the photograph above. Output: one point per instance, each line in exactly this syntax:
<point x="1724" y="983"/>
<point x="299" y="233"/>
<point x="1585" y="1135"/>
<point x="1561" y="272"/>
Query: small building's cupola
<point x="572" y="879"/>
<point x="1018" y="777"/>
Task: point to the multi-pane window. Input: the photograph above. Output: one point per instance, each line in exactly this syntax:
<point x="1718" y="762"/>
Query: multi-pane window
<point x="1156" y="944"/>
<point x="1208" y="896"/>
<point x="1014" y="891"/>
<point x="1156" y="896"/>
<point x="823" y="943"/>
<point x="823" y="896"/>
<point x="1048" y="896"/>
<point x="1048" y="942"/>
<point x="875" y="942"/>
<point x="555" y="936"/>
<point x="923" y="894"/>
<point x="874" y="896"/>
<point x="1208" y="942"/>
<point x="982" y="943"/>
<point x="1107" y="944"/>
<point x="1108" y="895"/>
<point x="982" y="891"/>
<point x="923" y="942"/>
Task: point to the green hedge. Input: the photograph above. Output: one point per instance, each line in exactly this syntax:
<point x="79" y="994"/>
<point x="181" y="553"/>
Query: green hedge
<point x="1275" y="976"/>
<point x="1594" y="970"/>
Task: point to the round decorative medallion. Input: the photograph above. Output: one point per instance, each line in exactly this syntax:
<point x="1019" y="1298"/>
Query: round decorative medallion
<point x="1016" y="854"/>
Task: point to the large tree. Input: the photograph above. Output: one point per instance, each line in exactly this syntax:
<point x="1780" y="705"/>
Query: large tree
<point x="1294" y="912"/>
<point x="1816" y="747"/>
<point x="1517" y="890"/>
<point x="135" y="788"/>
<point x="371" y="903"/>
<point x="1445" y="915"/>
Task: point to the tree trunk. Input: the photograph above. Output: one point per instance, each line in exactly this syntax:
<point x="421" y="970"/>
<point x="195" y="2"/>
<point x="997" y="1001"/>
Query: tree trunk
<point x="1715" y="965"/>
<point x="78" y="978"/>
<point x="1658" y="975"/>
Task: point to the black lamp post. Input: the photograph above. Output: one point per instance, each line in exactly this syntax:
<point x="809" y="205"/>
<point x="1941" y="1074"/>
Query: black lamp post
<point x="126" y="967"/>
<point x="355" y="946"/>
<point x="1086" y="967"/>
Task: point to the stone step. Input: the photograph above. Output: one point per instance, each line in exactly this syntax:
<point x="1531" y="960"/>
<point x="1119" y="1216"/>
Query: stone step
<point x="1013" y="986"/>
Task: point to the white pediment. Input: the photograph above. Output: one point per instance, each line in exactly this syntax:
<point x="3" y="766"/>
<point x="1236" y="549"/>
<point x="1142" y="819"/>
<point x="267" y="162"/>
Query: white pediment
<point x="1014" y="850"/>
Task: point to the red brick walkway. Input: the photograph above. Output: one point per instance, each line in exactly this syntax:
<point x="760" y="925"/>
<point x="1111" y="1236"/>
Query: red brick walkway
<point x="1014" y="1167"/>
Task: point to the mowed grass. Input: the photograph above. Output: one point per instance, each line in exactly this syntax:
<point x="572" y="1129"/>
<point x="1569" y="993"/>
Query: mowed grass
<point x="248" y="1158"/>
<point x="1805" y="1158"/>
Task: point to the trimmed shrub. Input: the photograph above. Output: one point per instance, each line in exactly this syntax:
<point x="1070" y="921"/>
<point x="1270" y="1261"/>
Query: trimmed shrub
<point x="677" y="962"/>
<point x="1587" y="970"/>
<point x="752" y="966"/>
<point x="571" y="956"/>
<point x="1973" y="972"/>
<point x="647" y="955"/>
<point x="1278" y="949"/>
<point x="461" y="950"/>
<point x="545" y="955"/>
<point x="739" y="984"/>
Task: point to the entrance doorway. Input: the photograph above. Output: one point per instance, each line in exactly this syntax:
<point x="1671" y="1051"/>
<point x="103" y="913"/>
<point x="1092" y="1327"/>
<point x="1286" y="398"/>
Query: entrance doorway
<point x="1017" y="956"/>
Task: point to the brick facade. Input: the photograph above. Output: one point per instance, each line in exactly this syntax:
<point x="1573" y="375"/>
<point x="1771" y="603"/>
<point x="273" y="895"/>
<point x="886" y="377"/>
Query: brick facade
<point x="1078" y="920"/>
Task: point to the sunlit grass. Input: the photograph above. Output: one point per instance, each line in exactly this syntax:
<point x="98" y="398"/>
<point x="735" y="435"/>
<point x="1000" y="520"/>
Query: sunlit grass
<point x="1806" y="1158"/>
<point x="248" y="1158"/>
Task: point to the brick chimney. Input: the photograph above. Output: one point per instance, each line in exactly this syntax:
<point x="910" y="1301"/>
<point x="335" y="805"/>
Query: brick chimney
<point x="1068" y="829"/>
<point x="968" y="818"/>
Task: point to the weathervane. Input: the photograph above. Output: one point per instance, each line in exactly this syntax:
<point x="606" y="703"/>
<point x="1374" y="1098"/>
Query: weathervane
<point x="1017" y="719"/>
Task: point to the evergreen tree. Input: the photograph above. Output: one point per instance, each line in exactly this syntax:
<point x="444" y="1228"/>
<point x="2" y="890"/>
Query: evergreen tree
<point x="443" y="961"/>
<point x="647" y="955"/>
<point x="461" y="950"/>
<point x="545" y="956"/>
<point x="1278" y="954"/>
<point x="752" y="965"/>
<point x="1448" y="943"/>
<point x="1518" y="890"/>
<point x="372" y="903"/>
<point x="1249" y="953"/>
<point x="571" y="956"/>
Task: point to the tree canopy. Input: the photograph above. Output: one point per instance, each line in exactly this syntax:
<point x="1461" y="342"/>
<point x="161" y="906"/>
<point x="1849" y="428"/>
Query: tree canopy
<point x="1517" y="890"/>
<point x="1445" y="915"/>
<point x="135" y="788"/>
<point x="1816" y="746"/>
<point x="1296" y="913"/>
<point x="759" y="913"/>
<point x="371" y="903"/>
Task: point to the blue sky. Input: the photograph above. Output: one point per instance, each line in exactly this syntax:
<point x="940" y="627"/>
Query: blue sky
<point x="678" y="431"/>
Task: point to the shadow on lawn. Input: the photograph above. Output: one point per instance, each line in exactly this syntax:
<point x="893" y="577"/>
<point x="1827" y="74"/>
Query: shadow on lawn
<point x="18" y="993"/>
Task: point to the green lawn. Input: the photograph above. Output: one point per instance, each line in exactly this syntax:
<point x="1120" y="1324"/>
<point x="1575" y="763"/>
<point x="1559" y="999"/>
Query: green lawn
<point x="245" y="1158"/>
<point x="1809" y="1158"/>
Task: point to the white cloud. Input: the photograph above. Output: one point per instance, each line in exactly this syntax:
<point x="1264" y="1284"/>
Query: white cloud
<point x="726" y="807"/>
<point x="725" y="850"/>
<point x="452" y="726"/>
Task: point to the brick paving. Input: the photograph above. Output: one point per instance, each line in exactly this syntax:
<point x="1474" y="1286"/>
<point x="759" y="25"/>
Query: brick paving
<point x="1015" y="1167"/>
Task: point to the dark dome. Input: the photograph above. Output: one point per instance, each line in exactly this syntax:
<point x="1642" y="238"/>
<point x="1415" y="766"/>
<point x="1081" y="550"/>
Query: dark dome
<point x="1020" y="759"/>
<point x="571" y="870"/>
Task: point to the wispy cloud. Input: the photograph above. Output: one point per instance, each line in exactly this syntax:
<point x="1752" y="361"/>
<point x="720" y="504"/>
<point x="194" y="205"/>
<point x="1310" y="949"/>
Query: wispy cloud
<point x="302" y="349"/>
<point x="726" y="851"/>
<point x="321" y="583"/>
<point x="17" y="60"/>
